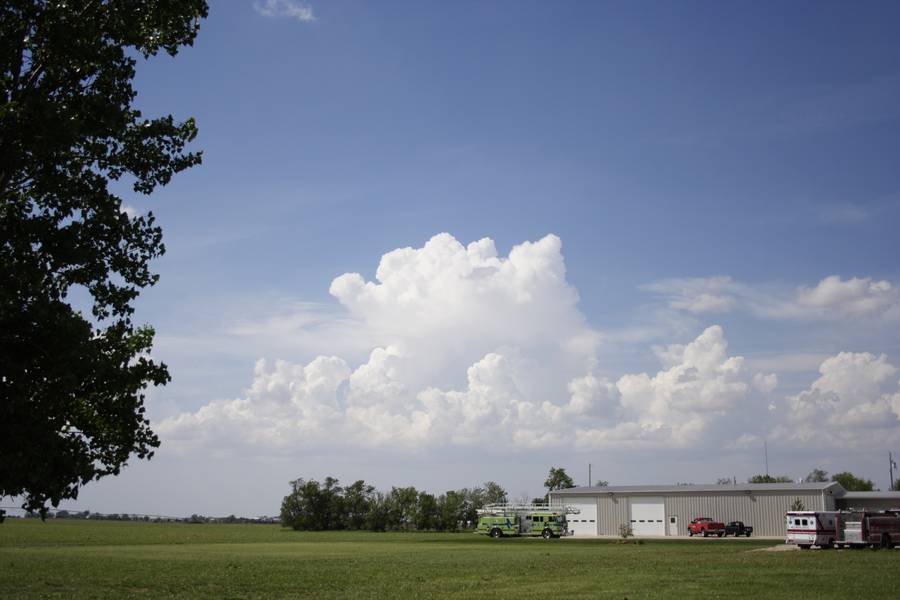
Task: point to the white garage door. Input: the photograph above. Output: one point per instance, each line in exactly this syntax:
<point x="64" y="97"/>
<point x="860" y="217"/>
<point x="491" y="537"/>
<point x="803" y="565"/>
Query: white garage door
<point x="648" y="516"/>
<point x="584" y="522"/>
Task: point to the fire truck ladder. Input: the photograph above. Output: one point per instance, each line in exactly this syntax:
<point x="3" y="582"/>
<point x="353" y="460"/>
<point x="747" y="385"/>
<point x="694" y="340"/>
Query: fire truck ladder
<point x="513" y="507"/>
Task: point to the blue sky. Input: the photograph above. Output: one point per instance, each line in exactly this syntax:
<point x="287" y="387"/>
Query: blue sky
<point x="720" y="180"/>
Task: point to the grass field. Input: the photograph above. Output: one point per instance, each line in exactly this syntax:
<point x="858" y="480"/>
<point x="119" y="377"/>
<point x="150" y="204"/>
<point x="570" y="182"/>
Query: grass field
<point x="87" y="559"/>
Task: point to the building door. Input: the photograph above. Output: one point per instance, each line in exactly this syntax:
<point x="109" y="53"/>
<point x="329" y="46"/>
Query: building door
<point x="648" y="516"/>
<point x="673" y="525"/>
<point x="584" y="522"/>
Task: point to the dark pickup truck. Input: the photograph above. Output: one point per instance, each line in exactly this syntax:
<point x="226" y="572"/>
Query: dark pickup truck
<point x="737" y="528"/>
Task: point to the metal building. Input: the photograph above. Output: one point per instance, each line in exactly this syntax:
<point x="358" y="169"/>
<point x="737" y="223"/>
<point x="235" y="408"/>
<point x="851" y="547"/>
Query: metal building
<point x="665" y="510"/>
<point x="869" y="500"/>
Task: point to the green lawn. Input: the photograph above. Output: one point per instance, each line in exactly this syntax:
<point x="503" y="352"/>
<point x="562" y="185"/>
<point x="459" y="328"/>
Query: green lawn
<point x="86" y="559"/>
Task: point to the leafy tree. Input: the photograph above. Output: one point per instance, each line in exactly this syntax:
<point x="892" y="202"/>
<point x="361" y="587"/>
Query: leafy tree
<point x="71" y="386"/>
<point x="797" y="504"/>
<point x="816" y="476"/>
<point x="312" y="506"/>
<point x="896" y="485"/>
<point x="452" y="507"/>
<point x="770" y="479"/>
<point x="427" y="512"/>
<point x="493" y="493"/>
<point x="331" y="503"/>
<point x="851" y="483"/>
<point x="402" y="503"/>
<point x="558" y="479"/>
<point x="358" y="499"/>
<point x="298" y="508"/>
<point x="724" y="481"/>
<point x="377" y="518"/>
<point x="473" y="499"/>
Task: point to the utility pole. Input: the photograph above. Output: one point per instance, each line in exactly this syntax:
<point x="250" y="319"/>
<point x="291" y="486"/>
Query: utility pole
<point x="891" y="465"/>
<point x="766" y="450"/>
<point x="589" y="475"/>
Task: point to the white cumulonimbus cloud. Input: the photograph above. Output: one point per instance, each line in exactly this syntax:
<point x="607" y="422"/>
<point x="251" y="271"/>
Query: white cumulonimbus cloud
<point x="473" y="349"/>
<point x="476" y="349"/>
<point x="849" y="406"/>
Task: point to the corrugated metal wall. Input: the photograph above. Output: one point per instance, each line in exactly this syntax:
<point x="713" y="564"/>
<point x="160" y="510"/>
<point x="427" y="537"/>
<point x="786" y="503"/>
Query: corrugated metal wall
<point x="763" y="510"/>
<point x="613" y="511"/>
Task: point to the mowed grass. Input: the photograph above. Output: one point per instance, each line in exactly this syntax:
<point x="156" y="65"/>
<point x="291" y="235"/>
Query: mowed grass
<point x="89" y="559"/>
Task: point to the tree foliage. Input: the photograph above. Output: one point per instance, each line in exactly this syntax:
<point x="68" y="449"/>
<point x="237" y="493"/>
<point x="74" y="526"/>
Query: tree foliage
<point x="494" y="493"/>
<point x="315" y="506"/>
<point x="770" y="479"/>
<point x="852" y="483"/>
<point x="816" y="476"/>
<point x="558" y="479"/>
<point x="71" y="385"/>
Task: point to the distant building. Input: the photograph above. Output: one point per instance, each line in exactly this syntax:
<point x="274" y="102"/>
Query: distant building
<point x="869" y="500"/>
<point x="665" y="510"/>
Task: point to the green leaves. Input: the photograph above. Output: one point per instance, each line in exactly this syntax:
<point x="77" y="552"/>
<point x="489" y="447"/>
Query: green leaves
<point x="558" y="479"/>
<point x="71" y="389"/>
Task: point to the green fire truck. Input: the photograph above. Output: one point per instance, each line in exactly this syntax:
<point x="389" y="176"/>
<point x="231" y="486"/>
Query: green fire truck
<point x="498" y="520"/>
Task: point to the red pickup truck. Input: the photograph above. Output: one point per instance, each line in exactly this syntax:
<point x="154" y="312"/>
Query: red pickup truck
<point x="705" y="526"/>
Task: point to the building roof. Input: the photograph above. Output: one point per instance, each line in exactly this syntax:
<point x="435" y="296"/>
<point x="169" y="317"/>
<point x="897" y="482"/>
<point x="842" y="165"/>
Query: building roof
<point x="832" y="486"/>
<point x="871" y="496"/>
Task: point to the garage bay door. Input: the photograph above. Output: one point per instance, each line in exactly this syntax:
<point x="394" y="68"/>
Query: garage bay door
<point x="648" y="516"/>
<point x="584" y="522"/>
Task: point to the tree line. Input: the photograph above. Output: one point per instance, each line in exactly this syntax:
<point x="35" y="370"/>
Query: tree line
<point x="327" y="505"/>
<point x="193" y="519"/>
<point x="848" y="480"/>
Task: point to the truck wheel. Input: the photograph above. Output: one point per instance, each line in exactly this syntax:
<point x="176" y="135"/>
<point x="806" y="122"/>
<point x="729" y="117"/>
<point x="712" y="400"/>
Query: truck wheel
<point x="547" y="534"/>
<point x="690" y="533"/>
<point x="747" y="534"/>
<point x="705" y="533"/>
<point x="721" y="534"/>
<point x="495" y="533"/>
